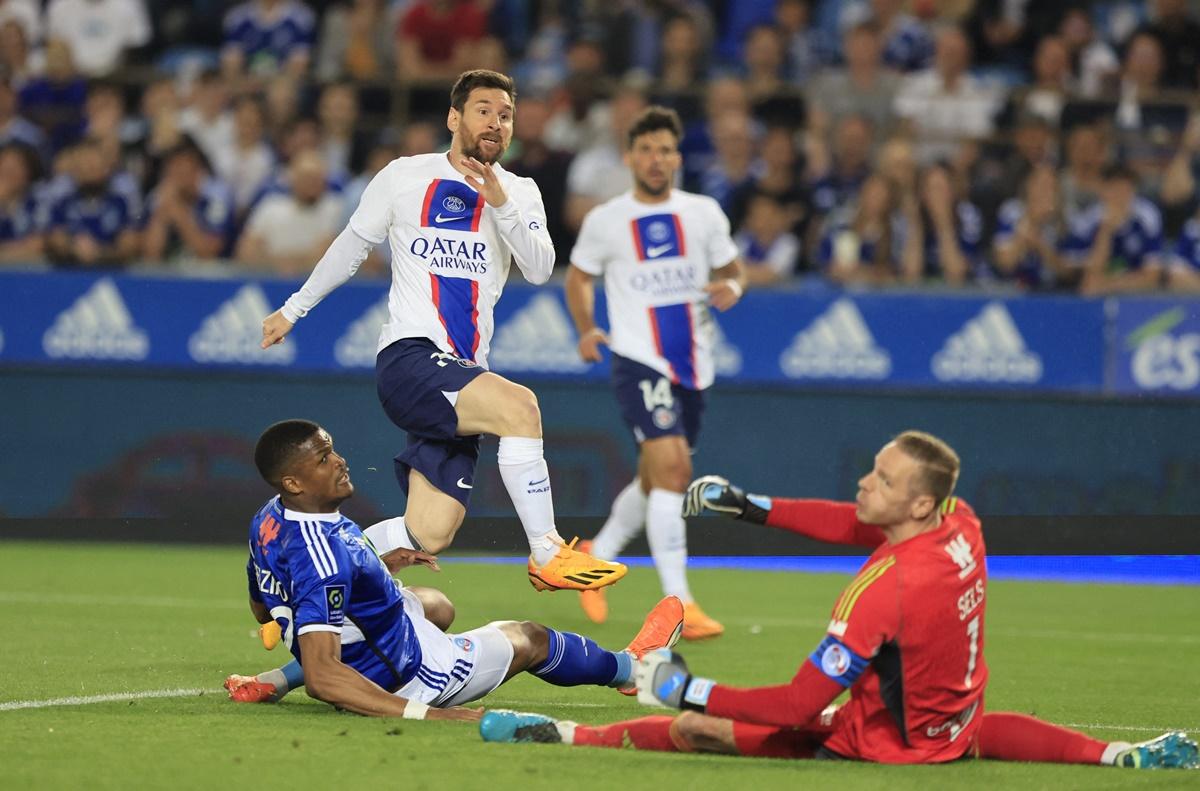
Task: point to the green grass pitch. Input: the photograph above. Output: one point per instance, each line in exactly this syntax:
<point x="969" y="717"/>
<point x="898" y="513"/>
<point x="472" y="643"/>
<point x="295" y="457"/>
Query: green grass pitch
<point x="87" y="620"/>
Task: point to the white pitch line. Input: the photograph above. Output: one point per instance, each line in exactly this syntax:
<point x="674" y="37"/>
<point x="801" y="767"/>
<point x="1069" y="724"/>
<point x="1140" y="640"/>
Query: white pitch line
<point x="112" y="697"/>
<point x="1105" y="726"/>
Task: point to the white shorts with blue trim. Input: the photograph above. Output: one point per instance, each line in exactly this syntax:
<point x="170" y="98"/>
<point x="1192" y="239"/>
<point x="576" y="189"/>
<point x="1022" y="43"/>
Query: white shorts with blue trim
<point x="455" y="668"/>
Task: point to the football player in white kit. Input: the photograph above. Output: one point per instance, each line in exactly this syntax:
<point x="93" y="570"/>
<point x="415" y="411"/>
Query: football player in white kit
<point x="666" y="256"/>
<point x="454" y="221"/>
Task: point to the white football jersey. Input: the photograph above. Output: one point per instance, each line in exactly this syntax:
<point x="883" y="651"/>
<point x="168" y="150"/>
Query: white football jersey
<point x="656" y="259"/>
<point x="450" y="250"/>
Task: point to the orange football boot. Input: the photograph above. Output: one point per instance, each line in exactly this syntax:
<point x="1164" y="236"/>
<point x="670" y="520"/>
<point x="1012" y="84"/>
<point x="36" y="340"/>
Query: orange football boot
<point x="593" y="602"/>
<point x="572" y="569"/>
<point x="661" y="629"/>
<point x="248" y="689"/>
<point x="697" y="625"/>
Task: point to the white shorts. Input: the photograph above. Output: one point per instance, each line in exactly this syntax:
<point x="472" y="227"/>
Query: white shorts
<point x="455" y="668"/>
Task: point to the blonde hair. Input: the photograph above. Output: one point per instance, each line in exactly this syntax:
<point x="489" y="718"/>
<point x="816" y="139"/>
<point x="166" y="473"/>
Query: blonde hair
<point x="939" y="463"/>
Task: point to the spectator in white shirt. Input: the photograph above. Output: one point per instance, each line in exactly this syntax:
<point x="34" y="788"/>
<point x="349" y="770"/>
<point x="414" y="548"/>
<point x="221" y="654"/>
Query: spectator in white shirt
<point x="247" y="165"/>
<point x="99" y="32"/>
<point x="945" y="106"/>
<point x="207" y="119"/>
<point x="289" y="233"/>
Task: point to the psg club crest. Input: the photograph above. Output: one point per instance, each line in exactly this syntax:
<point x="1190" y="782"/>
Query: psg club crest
<point x="663" y="418"/>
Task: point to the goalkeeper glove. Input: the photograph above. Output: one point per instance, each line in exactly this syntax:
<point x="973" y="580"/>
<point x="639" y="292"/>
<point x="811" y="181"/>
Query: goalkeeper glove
<point x="718" y="494"/>
<point x="663" y="680"/>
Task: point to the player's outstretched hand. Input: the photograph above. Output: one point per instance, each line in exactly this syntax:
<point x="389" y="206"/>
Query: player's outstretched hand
<point x="459" y="713"/>
<point x="714" y="493"/>
<point x="723" y="294"/>
<point x="402" y="558"/>
<point x="275" y="329"/>
<point x="485" y="181"/>
<point x="590" y="343"/>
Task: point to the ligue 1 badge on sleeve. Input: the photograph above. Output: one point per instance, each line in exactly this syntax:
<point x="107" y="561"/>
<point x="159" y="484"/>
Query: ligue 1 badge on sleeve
<point x="335" y="604"/>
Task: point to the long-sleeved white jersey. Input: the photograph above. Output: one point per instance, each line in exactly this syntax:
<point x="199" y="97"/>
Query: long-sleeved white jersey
<point x="451" y="252"/>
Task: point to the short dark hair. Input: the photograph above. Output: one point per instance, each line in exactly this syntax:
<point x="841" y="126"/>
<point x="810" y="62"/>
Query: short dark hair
<point x="652" y="119"/>
<point x="480" y="78"/>
<point x="1119" y="172"/>
<point x="277" y="447"/>
<point x="939" y="463"/>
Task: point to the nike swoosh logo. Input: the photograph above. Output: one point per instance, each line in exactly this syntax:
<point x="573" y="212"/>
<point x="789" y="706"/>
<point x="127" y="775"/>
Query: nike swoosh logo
<point x="654" y="251"/>
<point x="440" y="218"/>
<point x="543" y="480"/>
<point x="462" y="485"/>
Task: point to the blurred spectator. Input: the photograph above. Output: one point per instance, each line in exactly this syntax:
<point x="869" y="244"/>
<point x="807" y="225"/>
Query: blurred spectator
<point x="1118" y="243"/>
<point x="1083" y="177"/>
<point x="422" y="137"/>
<point x="769" y="250"/>
<point x="434" y="38"/>
<point x="267" y="37"/>
<point x="341" y="143"/>
<point x="94" y="223"/>
<point x="1178" y="192"/>
<point x="907" y="43"/>
<point x="289" y="233"/>
<point x="1048" y="93"/>
<point x="951" y="230"/>
<point x="1002" y="172"/>
<point x="380" y="257"/>
<point x="945" y="106"/>
<point x="191" y="212"/>
<point x="21" y="233"/>
<point x="157" y="130"/>
<point x="837" y="176"/>
<point x="533" y="158"/>
<point x="55" y="100"/>
<point x="598" y="172"/>
<point x="1183" y="266"/>
<point x="1148" y="122"/>
<point x="863" y="87"/>
<point x="862" y="247"/>
<point x="780" y="178"/>
<point x="26" y="14"/>
<point x="207" y="119"/>
<point x="735" y="165"/>
<point x="15" y="53"/>
<point x="1178" y="34"/>
<point x="357" y="42"/>
<point x="283" y="106"/>
<point x="1095" y="63"/>
<point x="581" y="116"/>
<point x="14" y="128"/>
<point x="682" y="64"/>
<point x="1030" y="234"/>
<point x="723" y="96"/>
<point x="99" y="33"/>
<point x="997" y="30"/>
<point x="763" y="60"/>
<point x="247" y="165"/>
<point x="807" y="53"/>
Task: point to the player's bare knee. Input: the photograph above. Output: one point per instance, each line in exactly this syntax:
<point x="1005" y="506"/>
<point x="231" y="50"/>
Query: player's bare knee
<point x="673" y="474"/>
<point x="439" y="610"/>
<point x="522" y="413"/>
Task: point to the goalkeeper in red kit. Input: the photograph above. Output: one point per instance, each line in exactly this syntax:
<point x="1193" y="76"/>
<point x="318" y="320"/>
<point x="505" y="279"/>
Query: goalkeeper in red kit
<point x="906" y="638"/>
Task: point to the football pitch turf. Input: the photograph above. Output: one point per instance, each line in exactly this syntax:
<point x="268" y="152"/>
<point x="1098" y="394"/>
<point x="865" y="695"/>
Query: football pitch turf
<point x="81" y="621"/>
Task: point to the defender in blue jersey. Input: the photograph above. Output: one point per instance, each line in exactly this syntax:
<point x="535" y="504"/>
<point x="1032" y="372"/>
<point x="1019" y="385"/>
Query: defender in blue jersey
<point x="361" y="640"/>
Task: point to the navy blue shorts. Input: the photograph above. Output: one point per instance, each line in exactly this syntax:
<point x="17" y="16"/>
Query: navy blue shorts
<point x="412" y="377"/>
<point x="652" y="406"/>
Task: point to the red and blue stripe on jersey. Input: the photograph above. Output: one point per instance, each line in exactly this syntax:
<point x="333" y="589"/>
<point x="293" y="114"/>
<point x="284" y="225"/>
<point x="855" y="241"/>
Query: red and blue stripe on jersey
<point x="451" y="206"/>
<point x="457" y="303"/>
<point x="657" y="237"/>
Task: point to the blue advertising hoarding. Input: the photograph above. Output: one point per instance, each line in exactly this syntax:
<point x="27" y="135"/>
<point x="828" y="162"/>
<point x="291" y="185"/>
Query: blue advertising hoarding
<point x="807" y="338"/>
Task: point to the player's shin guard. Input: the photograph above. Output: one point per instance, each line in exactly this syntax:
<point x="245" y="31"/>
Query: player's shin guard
<point x="625" y="521"/>
<point x="667" y="533"/>
<point x="646" y="733"/>
<point x="527" y="479"/>
<point x="1005" y="736"/>
<point x="574" y="660"/>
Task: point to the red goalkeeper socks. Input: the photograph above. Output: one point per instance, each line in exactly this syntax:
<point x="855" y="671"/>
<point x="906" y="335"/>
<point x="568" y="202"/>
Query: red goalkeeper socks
<point x="1017" y="737"/>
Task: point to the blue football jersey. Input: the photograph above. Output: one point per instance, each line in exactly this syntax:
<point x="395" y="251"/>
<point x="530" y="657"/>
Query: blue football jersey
<point x="318" y="572"/>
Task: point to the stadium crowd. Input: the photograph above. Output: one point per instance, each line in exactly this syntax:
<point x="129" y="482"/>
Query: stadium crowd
<point x="1030" y="145"/>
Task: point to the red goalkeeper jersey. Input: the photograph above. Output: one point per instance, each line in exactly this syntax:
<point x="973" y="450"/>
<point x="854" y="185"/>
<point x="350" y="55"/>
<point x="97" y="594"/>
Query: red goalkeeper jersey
<point x="906" y="638"/>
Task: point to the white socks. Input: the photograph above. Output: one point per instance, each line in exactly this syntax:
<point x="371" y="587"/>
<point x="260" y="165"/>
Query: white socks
<point x="625" y="521"/>
<point x="388" y="535"/>
<point x="527" y="480"/>
<point x="667" y="533"/>
<point x="1109" y="758"/>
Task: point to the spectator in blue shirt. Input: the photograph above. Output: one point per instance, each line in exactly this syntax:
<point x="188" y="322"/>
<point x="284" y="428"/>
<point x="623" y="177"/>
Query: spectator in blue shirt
<point x="93" y="223"/>
<point x="866" y="246"/>
<point x="21" y="238"/>
<point x="55" y="100"/>
<point x="265" y="37"/>
<point x="14" y="128"/>
<point x="1030" y="234"/>
<point x="908" y="44"/>
<point x="191" y="212"/>
<point x="951" y="229"/>
<point x="1183" y="267"/>
<point x="1118" y="243"/>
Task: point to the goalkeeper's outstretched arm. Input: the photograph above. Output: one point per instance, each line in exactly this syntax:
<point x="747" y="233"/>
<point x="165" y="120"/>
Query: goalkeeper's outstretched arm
<point x="822" y="520"/>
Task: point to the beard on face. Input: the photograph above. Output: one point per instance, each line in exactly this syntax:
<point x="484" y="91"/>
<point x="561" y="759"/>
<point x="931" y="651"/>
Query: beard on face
<point x="471" y="149"/>
<point x="650" y="190"/>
